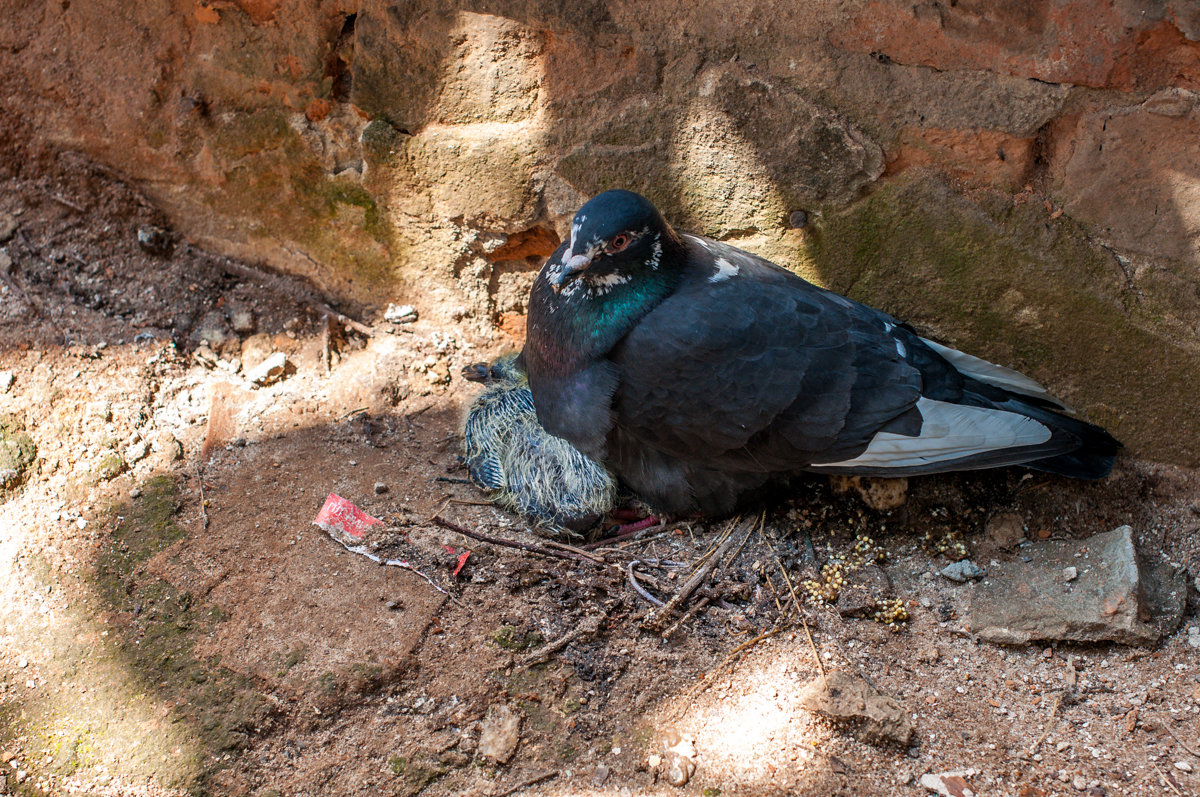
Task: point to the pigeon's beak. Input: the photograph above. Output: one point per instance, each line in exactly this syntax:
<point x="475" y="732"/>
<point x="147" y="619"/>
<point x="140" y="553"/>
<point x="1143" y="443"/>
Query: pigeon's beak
<point x="573" y="265"/>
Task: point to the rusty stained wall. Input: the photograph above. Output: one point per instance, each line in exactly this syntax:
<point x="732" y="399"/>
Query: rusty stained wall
<point x="1020" y="179"/>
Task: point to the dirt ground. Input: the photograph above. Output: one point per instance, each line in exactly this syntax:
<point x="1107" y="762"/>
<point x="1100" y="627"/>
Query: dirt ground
<point x="171" y="622"/>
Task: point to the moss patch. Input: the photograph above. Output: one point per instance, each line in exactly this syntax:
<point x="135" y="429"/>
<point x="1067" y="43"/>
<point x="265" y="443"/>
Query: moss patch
<point x="1002" y="280"/>
<point x="17" y="452"/>
<point x="120" y="681"/>
<point x="274" y="179"/>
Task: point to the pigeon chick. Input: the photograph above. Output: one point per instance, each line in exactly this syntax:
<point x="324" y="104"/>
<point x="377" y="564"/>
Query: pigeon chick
<point x="699" y="373"/>
<point x="540" y="476"/>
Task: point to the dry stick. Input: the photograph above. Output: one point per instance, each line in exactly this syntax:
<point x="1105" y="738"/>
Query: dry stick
<point x="524" y="546"/>
<point x="64" y="201"/>
<point x="1045" y="733"/>
<point x="562" y="546"/>
<point x="526" y="784"/>
<point x="1167" y="781"/>
<point x="624" y="537"/>
<point x="663" y="615"/>
<point x="1178" y="741"/>
<point x="697" y="606"/>
<point x="588" y="627"/>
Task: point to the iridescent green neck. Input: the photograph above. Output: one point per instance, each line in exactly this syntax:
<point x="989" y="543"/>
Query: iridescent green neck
<point x="572" y="330"/>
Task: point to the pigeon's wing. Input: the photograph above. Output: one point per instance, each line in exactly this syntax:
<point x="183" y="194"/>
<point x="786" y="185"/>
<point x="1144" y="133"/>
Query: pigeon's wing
<point x="750" y="366"/>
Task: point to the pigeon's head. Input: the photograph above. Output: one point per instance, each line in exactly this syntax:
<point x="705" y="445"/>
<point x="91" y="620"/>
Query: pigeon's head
<point x="614" y="236"/>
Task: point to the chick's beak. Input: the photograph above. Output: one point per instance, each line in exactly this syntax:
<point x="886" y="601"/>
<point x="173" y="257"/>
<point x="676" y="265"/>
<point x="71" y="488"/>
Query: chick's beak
<point x="573" y="265"/>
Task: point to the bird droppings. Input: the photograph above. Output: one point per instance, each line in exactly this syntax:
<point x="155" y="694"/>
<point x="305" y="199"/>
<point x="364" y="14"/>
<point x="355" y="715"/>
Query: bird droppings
<point x="400" y="314"/>
<point x="269" y="371"/>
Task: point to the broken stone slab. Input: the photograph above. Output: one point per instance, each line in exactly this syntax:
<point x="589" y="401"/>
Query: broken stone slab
<point x="845" y="697"/>
<point x="499" y="733"/>
<point x="1116" y="595"/>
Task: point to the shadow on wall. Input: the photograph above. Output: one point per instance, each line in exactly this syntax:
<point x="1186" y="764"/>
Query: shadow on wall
<point x="730" y="148"/>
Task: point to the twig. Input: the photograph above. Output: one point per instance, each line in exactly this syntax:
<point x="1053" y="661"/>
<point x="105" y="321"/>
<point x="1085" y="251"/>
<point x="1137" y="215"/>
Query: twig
<point x="1167" y="781"/>
<point x="203" y="511"/>
<point x="656" y="621"/>
<point x="526" y="784"/>
<point x="795" y="601"/>
<point x="1045" y="733"/>
<point x="64" y="201"/>
<point x="362" y="550"/>
<point x="562" y="546"/>
<point x="813" y="645"/>
<point x="588" y="627"/>
<point x="1178" y="741"/>
<point x="644" y="535"/>
<point x="712" y="676"/>
<point x="326" y="335"/>
<point x="524" y="546"/>
<point x="689" y="614"/>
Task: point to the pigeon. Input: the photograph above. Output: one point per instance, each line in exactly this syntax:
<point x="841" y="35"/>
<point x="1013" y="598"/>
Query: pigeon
<point x="700" y="374"/>
<point x="508" y="453"/>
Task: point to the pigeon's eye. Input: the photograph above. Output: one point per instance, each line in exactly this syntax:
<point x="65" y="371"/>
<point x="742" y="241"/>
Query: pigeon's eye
<point x="618" y="243"/>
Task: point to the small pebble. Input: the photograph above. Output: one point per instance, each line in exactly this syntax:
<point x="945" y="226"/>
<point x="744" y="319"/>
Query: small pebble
<point x="1070" y="573"/>
<point x="23" y="663"/>
<point x="962" y="570"/>
<point x="8" y="227"/>
<point x="400" y="314"/>
<point x="679" y="770"/>
<point x="269" y="370"/>
<point x="1079" y="782"/>
<point x="6" y="381"/>
<point x="380" y="488"/>
<point x="1183" y="766"/>
<point x="136" y="492"/>
<point x="600" y="774"/>
<point x="153" y="239"/>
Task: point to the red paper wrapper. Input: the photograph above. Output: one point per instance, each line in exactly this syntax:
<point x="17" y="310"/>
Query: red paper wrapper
<point x="340" y="516"/>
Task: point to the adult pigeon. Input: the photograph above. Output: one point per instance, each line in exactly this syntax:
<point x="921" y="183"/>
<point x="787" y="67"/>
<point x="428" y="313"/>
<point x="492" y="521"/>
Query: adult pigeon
<point x="697" y="373"/>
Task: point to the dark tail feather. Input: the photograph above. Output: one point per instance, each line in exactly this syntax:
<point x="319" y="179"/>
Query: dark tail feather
<point x="1094" y="457"/>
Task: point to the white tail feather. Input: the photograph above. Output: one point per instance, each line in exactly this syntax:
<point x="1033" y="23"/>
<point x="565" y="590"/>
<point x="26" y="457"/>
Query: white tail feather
<point x="994" y="374"/>
<point x="948" y="432"/>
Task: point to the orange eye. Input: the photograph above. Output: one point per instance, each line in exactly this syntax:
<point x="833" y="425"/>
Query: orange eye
<point x="618" y="243"/>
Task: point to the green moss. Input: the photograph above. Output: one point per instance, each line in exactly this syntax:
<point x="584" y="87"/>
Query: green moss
<point x="17" y="452"/>
<point x="416" y="772"/>
<point x="109" y="466"/>
<point x="1001" y="280"/>
<point x="507" y="637"/>
<point x="275" y="180"/>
